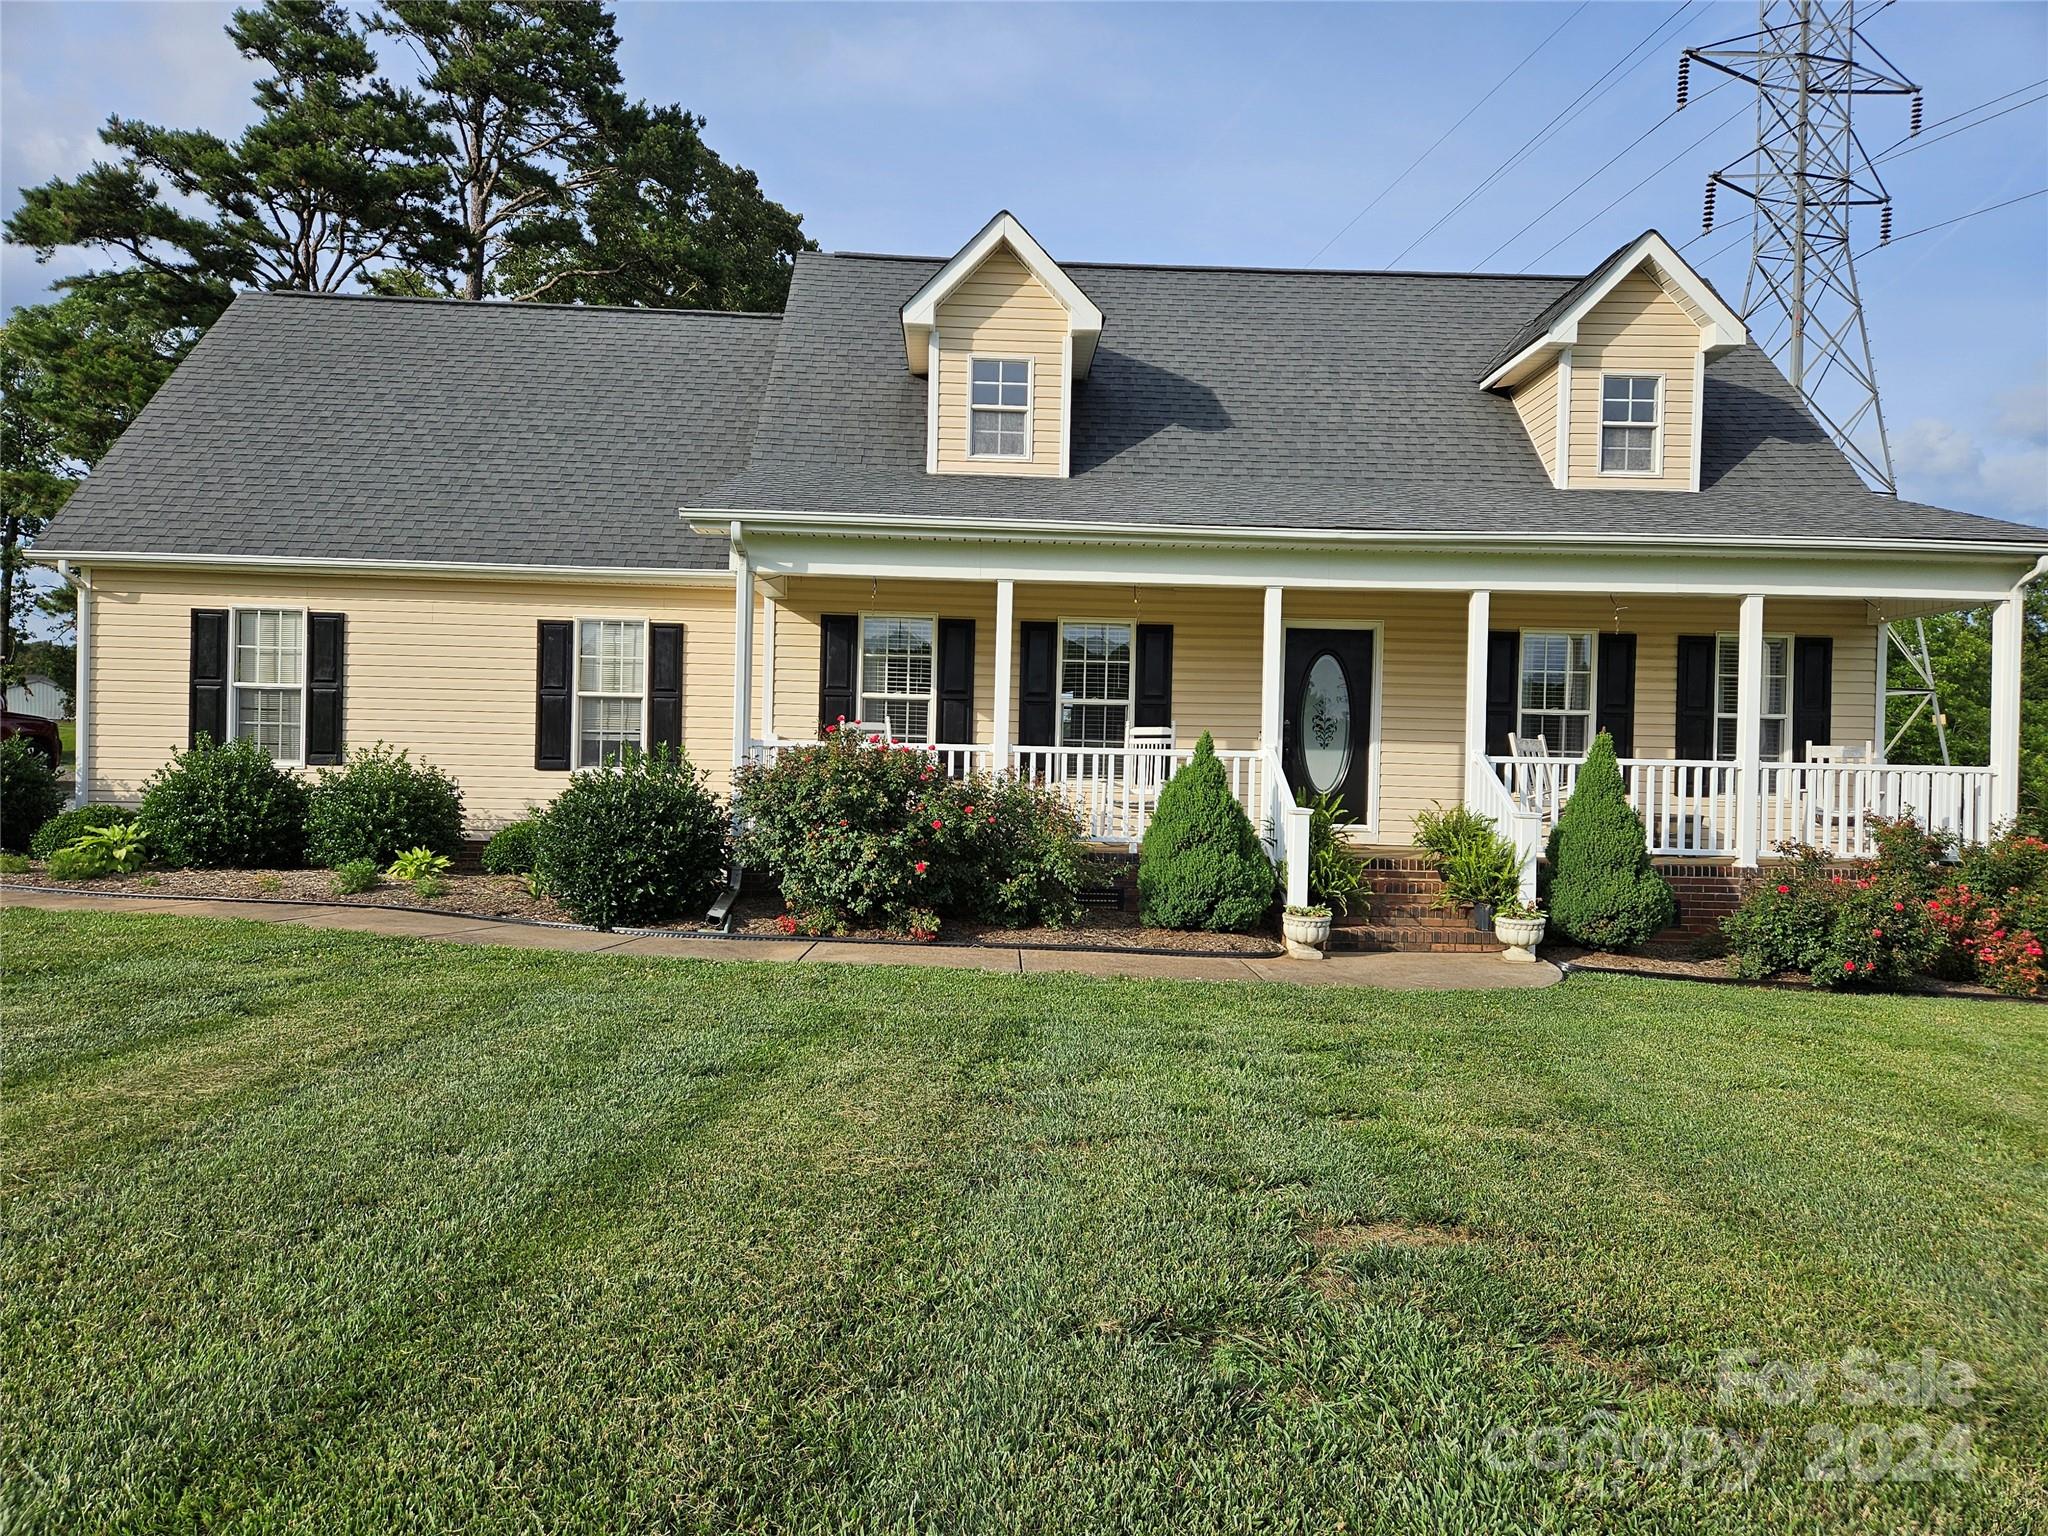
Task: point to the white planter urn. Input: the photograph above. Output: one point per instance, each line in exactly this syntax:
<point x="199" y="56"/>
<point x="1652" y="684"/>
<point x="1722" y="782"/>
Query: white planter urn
<point x="1521" y="935"/>
<point x="1306" y="933"/>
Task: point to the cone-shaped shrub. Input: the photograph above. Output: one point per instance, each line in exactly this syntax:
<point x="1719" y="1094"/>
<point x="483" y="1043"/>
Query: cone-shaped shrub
<point x="1603" y="891"/>
<point x="1202" y="865"/>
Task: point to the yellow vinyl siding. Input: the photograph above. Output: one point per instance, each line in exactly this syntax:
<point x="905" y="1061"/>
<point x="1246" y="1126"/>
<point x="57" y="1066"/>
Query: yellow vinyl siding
<point x="1536" y="404"/>
<point x="444" y="668"/>
<point x="1001" y="310"/>
<point x="797" y="638"/>
<point x="1636" y="329"/>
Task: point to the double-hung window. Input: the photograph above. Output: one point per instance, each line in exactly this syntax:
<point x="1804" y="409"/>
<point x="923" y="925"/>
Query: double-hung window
<point x="1631" y="415"/>
<point x="897" y="675"/>
<point x="1095" y="684"/>
<point x="1556" y="693"/>
<point x="1774" y="739"/>
<point x="999" y="408"/>
<point x="611" y="689"/>
<point x="270" y="681"/>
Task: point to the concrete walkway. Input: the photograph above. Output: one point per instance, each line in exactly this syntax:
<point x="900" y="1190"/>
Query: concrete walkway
<point x="1436" y="972"/>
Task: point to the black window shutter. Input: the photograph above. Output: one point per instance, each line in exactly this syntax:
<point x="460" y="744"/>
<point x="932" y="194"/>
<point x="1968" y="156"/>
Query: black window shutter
<point x="554" y="701"/>
<point x="1152" y="704"/>
<point x="1695" y="703"/>
<point x="838" y="643"/>
<point x="326" y="671"/>
<point x="956" y="681"/>
<point x="1503" y="681"/>
<point x="207" y="709"/>
<point x="1038" y="683"/>
<point x="1615" y="709"/>
<point x="665" y="686"/>
<point x="1813" y="692"/>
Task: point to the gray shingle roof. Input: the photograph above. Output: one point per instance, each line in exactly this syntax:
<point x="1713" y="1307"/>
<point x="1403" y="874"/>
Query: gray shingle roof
<point x="1282" y="399"/>
<point x="333" y="428"/>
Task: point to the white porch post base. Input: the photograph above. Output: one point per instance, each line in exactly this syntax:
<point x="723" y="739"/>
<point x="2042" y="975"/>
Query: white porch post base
<point x="1296" y="820"/>
<point x="2008" y="620"/>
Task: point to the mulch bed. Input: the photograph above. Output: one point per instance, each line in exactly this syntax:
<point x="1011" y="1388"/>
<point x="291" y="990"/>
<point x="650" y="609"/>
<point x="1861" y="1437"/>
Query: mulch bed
<point x="473" y="894"/>
<point x="1679" y="962"/>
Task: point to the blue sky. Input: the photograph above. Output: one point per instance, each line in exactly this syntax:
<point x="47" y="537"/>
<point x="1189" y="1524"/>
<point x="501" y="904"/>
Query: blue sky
<point x="1254" y="134"/>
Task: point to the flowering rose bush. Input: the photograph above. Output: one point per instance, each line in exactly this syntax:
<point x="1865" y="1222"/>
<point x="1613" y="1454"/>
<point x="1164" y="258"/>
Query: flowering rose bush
<point x="862" y="834"/>
<point x="1994" y="915"/>
<point x="1864" y="925"/>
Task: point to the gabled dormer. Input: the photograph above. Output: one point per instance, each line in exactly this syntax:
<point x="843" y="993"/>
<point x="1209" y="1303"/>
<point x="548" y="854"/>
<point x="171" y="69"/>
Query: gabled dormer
<point x="1001" y="334"/>
<point x="1609" y="381"/>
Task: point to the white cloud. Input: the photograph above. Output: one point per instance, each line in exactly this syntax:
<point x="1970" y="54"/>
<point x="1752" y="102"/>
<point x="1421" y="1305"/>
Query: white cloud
<point x="1942" y="463"/>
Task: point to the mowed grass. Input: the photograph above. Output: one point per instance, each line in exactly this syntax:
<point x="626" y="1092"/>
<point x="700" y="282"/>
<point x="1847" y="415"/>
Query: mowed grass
<point x="331" y="1232"/>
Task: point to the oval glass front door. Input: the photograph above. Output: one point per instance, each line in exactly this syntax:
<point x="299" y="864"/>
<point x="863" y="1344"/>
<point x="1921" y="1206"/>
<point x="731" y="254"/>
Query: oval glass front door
<point x="1326" y="724"/>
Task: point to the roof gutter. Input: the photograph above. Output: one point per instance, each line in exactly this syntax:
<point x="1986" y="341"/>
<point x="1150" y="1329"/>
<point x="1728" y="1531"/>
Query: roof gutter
<point x="489" y="571"/>
<point x="730" y="521"/>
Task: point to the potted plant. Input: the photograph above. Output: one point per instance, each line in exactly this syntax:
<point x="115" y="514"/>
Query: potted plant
<point x="1307" y="930"/>
<point x="1519" y="925"/>
<point x="1479" y="868"/>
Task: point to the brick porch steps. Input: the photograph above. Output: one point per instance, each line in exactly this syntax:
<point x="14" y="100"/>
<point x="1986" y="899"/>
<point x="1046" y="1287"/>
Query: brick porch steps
<point x="1395" y="910"/>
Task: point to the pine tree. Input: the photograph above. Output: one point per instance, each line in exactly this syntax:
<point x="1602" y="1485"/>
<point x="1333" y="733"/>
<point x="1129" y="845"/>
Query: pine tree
<point x="1202" y="865"/>
<point x="1603" y="889"/>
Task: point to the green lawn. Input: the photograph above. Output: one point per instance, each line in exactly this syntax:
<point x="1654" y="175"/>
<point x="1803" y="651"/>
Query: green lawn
<point x="333" y="1232"/>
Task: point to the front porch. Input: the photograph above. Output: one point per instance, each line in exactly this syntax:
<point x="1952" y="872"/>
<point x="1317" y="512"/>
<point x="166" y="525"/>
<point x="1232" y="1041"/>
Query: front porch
<point x="1099" y="689"/>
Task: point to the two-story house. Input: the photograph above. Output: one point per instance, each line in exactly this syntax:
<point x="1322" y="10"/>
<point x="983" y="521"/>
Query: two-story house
<point x="1409" y="537"/>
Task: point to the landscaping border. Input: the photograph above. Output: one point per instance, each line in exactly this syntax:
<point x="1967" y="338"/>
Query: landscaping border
<point x="1567" y="968"/>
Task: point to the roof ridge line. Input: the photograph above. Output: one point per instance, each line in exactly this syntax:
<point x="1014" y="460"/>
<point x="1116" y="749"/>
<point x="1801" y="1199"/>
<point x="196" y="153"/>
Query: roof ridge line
<point x="521" y="306"/>
<point x="1181" y="266"/>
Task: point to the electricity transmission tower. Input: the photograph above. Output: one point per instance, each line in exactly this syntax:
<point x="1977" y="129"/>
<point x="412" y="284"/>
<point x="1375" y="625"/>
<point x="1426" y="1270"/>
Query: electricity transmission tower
<point x="1804" y="178"/>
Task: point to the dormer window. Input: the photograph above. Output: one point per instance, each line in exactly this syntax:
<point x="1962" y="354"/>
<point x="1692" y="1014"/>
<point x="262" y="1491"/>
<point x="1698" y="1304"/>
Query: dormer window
<point x="1631" y="416"/>
<point x="999" y="408"/>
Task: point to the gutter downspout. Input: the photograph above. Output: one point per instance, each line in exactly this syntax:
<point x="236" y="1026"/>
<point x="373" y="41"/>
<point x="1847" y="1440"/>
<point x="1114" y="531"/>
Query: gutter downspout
<point x="81" y="692"/>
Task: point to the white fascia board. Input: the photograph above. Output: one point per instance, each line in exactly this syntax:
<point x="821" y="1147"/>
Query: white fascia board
<point x="1722" y="332"/>
<point x="640" y="575"/>
<point x="1597" y="571"/>
<point x="921" y="310"/>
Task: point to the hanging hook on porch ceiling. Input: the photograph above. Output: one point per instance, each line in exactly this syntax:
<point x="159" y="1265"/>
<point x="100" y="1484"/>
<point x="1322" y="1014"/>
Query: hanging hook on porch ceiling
<point x="1619" y="610"/>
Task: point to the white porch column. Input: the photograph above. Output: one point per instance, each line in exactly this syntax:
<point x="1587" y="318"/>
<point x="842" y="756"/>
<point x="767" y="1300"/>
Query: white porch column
<point x="1749" y="730"/>
<point x="1478" y="625"/>
<point x="742" y="651"/>
<point x="81" y="694"/>
<point x="768" y="607"/>
<point x="1272" y="658"/>
<point x="1006" y="668"/>
<point x="2008" y="623"/>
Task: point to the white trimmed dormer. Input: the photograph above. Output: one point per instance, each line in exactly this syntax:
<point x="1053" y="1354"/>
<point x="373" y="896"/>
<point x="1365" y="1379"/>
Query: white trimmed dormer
<point x="1000" y="334"/>
<point x="1610" y="385"/>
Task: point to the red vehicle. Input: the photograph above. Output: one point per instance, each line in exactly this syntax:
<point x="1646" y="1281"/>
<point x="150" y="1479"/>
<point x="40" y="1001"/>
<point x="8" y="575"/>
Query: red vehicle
<point x="34" y="729"/>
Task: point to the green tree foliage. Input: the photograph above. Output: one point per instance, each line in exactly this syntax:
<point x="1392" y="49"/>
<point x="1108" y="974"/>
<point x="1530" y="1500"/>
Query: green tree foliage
<point x="1959" y="646"/>
<point x="1603" y="891"/>
<point x="335" y="177"/>
<point x="1202" y="865"/>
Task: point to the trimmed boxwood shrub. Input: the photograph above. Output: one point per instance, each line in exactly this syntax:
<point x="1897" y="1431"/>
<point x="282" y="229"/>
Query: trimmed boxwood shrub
<point x="29" y="794"/>
<point x="1603" y="890"/>
<point x="379" y="803"/>
<point x="510" y="850"/>
<point x="862" y="834"/>
<point x="224" y="806"/>
<point x="637" y="841"/>
<point x="1202" y="866"/>
<point x="63" y="829"/>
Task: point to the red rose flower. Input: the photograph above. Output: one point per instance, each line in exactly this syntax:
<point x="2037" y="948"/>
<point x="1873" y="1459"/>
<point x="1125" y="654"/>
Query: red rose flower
<point x="920" y="866"/>
<point x="1849" y="965"/>
<point x="1898" y="906"/>
<point x="970" y="810"/>
<point x="938" y="825"/>
<point x="1877" y="933"/>
<point x="1784" y="890"/>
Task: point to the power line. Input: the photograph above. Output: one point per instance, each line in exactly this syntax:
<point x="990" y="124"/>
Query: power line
<point x="1567" y="197"/>
<point x="1570" y="110"/>
<point x="1939" y="121"/>
<point x="1527" y="59"/>
<point x="1922" y="143"/>
<point x="1631" y="191"/>
<point x="1959" y="218"/>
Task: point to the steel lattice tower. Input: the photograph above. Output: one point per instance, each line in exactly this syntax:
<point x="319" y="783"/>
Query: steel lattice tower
<point x="1805" y="177"/>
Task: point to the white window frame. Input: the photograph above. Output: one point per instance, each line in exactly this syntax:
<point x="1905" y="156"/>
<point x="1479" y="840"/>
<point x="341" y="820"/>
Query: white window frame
<point x="860" y="674"/>
<point x="235" y="685"/>
<point x="1656" y="426"/>
<point x="1059" y="692"/>
<point x="1028" y="410"/>
<point x="576" y="763"/>
<point x="1592" y="709"/>
<point x="1784" y="754"/>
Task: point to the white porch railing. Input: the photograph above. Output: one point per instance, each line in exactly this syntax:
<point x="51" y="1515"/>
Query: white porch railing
<point x="1693" y="808"/>
<point x="1112" y="791"/>
<point x="1519" y="821"/>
